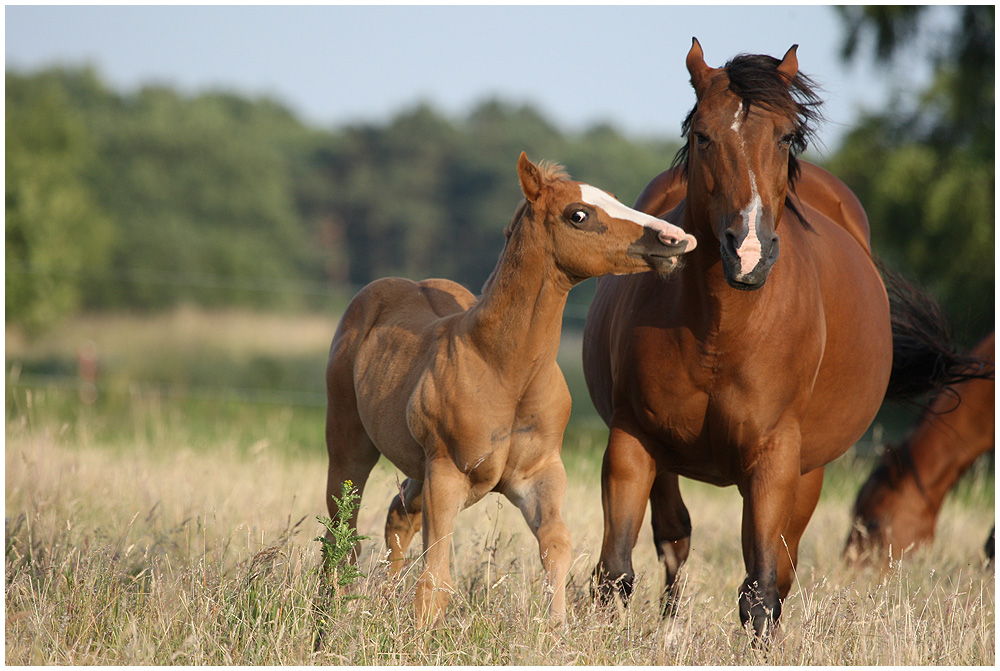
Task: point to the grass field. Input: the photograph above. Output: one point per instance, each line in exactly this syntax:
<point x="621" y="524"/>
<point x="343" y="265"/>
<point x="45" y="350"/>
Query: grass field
<point x="173" y="522"/>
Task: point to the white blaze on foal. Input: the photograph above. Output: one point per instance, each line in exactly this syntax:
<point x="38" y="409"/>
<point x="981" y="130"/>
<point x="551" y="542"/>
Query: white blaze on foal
<point x="668" y="233"/>
<point x="749" y="250"/>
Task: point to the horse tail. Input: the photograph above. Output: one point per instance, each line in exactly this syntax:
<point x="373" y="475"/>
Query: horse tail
<point x="925" y="358"/>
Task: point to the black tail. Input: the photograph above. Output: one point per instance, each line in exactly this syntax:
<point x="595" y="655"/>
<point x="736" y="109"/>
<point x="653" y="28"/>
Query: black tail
<point x="925" y="359"/>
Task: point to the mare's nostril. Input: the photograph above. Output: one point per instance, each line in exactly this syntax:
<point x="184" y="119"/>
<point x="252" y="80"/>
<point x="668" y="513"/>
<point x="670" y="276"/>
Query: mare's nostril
<point x="729" y="242"/>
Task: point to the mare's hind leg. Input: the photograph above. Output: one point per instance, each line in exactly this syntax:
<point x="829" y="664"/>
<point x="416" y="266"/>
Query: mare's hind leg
<point x="806" y="497"/>
<point x="540" y="501"/>
<point x="403" y="521"/>
<point x="671" y="534"/>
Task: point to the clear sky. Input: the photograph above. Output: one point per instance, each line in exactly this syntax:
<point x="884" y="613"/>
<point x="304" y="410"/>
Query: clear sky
<point x="578" y="64"/>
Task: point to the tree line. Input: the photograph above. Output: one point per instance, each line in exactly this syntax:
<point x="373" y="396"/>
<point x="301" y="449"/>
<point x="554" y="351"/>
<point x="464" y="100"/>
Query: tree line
<point x="146" y="199"/>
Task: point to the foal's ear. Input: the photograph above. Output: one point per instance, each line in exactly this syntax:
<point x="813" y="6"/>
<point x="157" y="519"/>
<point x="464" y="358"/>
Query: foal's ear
<point x="531" y="178"/>
<point x="697" y="67"/>
<point x="789" y="66"/>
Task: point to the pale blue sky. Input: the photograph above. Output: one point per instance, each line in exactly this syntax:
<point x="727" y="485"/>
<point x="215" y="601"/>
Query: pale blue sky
<point x="579" y="65"/>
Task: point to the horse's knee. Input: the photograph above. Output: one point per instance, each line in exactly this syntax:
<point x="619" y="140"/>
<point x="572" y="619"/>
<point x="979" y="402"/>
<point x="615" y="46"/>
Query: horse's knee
<point x="554" y="544"/>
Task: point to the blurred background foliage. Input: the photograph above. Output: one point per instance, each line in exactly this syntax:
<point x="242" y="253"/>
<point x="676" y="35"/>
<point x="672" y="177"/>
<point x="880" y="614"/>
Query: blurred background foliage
<point x="146" y="200"/>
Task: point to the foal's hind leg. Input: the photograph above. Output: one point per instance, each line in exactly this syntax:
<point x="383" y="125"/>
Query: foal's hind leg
<point x="671" y="534"/>
<point x="352" y="457"/>
<point x="352" y="454"/>
<point x="403" y="521"/>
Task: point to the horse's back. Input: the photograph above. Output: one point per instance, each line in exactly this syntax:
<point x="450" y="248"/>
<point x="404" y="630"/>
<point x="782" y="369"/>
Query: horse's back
<point x="380" y="352"/>
<point x="827" y="194"/>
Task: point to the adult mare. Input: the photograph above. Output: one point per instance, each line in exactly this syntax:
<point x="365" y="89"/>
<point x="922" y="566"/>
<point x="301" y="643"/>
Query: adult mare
<point x="743" y="368"/>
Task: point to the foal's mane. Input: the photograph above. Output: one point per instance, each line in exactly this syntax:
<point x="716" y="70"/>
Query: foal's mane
<point x="550" y="172"/>
<point x="756" y="80"/>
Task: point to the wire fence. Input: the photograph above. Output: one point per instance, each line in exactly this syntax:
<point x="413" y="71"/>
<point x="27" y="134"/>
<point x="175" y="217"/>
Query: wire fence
<point x="576" y="306"/>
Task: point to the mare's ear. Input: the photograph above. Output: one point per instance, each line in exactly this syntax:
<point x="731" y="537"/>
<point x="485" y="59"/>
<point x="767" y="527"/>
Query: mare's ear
<point x="531" y="178"/>
<point x="698" y="69"/>
<point x="789" y="66"/>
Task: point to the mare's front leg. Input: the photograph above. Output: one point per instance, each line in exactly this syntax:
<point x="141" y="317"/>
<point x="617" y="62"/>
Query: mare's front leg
<point x="671" y="534"/>
<point x="626" y="480"/>
<point x="769" y="491"/>
<point x="540" y="501"/>
<point x="445" y="492"/>
<point x="403" y="521"/>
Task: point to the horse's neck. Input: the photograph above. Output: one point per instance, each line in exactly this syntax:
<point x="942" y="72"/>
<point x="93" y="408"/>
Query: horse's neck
<point x="939" y="455"/>
<point x="705" y="291"/>
<point x="518" y="320"/>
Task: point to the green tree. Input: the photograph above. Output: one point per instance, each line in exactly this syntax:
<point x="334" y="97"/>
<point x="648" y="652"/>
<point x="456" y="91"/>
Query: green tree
<point x="926" y="174"/>
<point x="55" y="231"/>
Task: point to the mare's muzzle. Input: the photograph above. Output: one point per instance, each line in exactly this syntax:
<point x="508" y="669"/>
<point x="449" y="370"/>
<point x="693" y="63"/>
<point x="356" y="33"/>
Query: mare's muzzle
<point x="747" y="255"/>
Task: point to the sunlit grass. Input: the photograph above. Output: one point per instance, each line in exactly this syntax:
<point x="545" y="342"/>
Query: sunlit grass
<point x="153" y="529"/>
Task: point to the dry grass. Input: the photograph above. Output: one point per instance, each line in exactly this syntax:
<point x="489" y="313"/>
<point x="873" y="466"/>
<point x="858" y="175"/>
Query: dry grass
<point x="158" y="552"/>
<point x="157" y="529"/>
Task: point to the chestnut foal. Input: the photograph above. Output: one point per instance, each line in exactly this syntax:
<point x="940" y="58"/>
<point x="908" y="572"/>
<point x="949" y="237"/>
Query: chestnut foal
<point x="464" y="395"/>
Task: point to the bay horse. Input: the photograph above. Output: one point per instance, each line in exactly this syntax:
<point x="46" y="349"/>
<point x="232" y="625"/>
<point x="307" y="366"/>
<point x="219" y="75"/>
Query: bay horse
<point x="740" y="368"/>
<point x="464" y="396"/>
<point x="898" y="505"/>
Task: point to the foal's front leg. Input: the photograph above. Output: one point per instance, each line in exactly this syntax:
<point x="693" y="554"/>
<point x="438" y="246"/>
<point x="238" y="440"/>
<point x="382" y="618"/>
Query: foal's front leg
<point x="445" y="492"/>
<point x="540" y="501"/>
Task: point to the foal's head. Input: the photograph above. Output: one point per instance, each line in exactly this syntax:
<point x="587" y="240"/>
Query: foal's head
<point x="591" y="233"/>
<point x="750" y="120"/>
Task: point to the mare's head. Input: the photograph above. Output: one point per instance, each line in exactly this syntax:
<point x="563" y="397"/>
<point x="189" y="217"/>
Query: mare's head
<point x="891" y="512"/>
<point x="750" y="120"/>
<point x="589" y="231"/>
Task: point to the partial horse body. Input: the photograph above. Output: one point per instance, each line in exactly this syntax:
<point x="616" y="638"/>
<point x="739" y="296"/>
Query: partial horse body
<point x="898" y="505"/>
<point x="741" y="368"/>
<point x="463" y="395"/>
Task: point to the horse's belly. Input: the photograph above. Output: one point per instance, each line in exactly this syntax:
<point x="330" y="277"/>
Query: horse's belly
<point x="844" y="403"/>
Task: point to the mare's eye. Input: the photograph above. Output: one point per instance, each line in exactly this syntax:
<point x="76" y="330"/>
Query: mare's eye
<point x="702" y="140"/>
<point x="578" y="216"/>
<point x="787" y="140"/>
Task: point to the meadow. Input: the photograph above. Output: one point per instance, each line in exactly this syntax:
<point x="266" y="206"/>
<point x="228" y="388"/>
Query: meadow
<point x="173" y="521"/>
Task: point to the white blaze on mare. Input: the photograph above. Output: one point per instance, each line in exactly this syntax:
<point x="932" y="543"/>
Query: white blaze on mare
<point x="749" y="250"/>
<point x="668" y="233"/>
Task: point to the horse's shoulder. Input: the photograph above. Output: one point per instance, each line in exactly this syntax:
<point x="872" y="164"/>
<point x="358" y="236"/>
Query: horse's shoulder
<point x="663" y="193"/>
<point x="821" y="191"/>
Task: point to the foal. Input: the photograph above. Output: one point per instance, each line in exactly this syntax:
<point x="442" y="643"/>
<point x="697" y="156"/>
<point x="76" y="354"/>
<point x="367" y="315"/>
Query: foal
<point x="464" y="395"/>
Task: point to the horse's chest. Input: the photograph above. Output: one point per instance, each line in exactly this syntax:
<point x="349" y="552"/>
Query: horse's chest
<point x="705" y="412"/>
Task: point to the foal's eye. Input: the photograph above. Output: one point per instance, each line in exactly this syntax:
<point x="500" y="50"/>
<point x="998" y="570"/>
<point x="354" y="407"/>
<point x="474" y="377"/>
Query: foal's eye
<point x="702" y="140"/>
<point x="578" y="216"/>
<point x="787" y="140"/>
